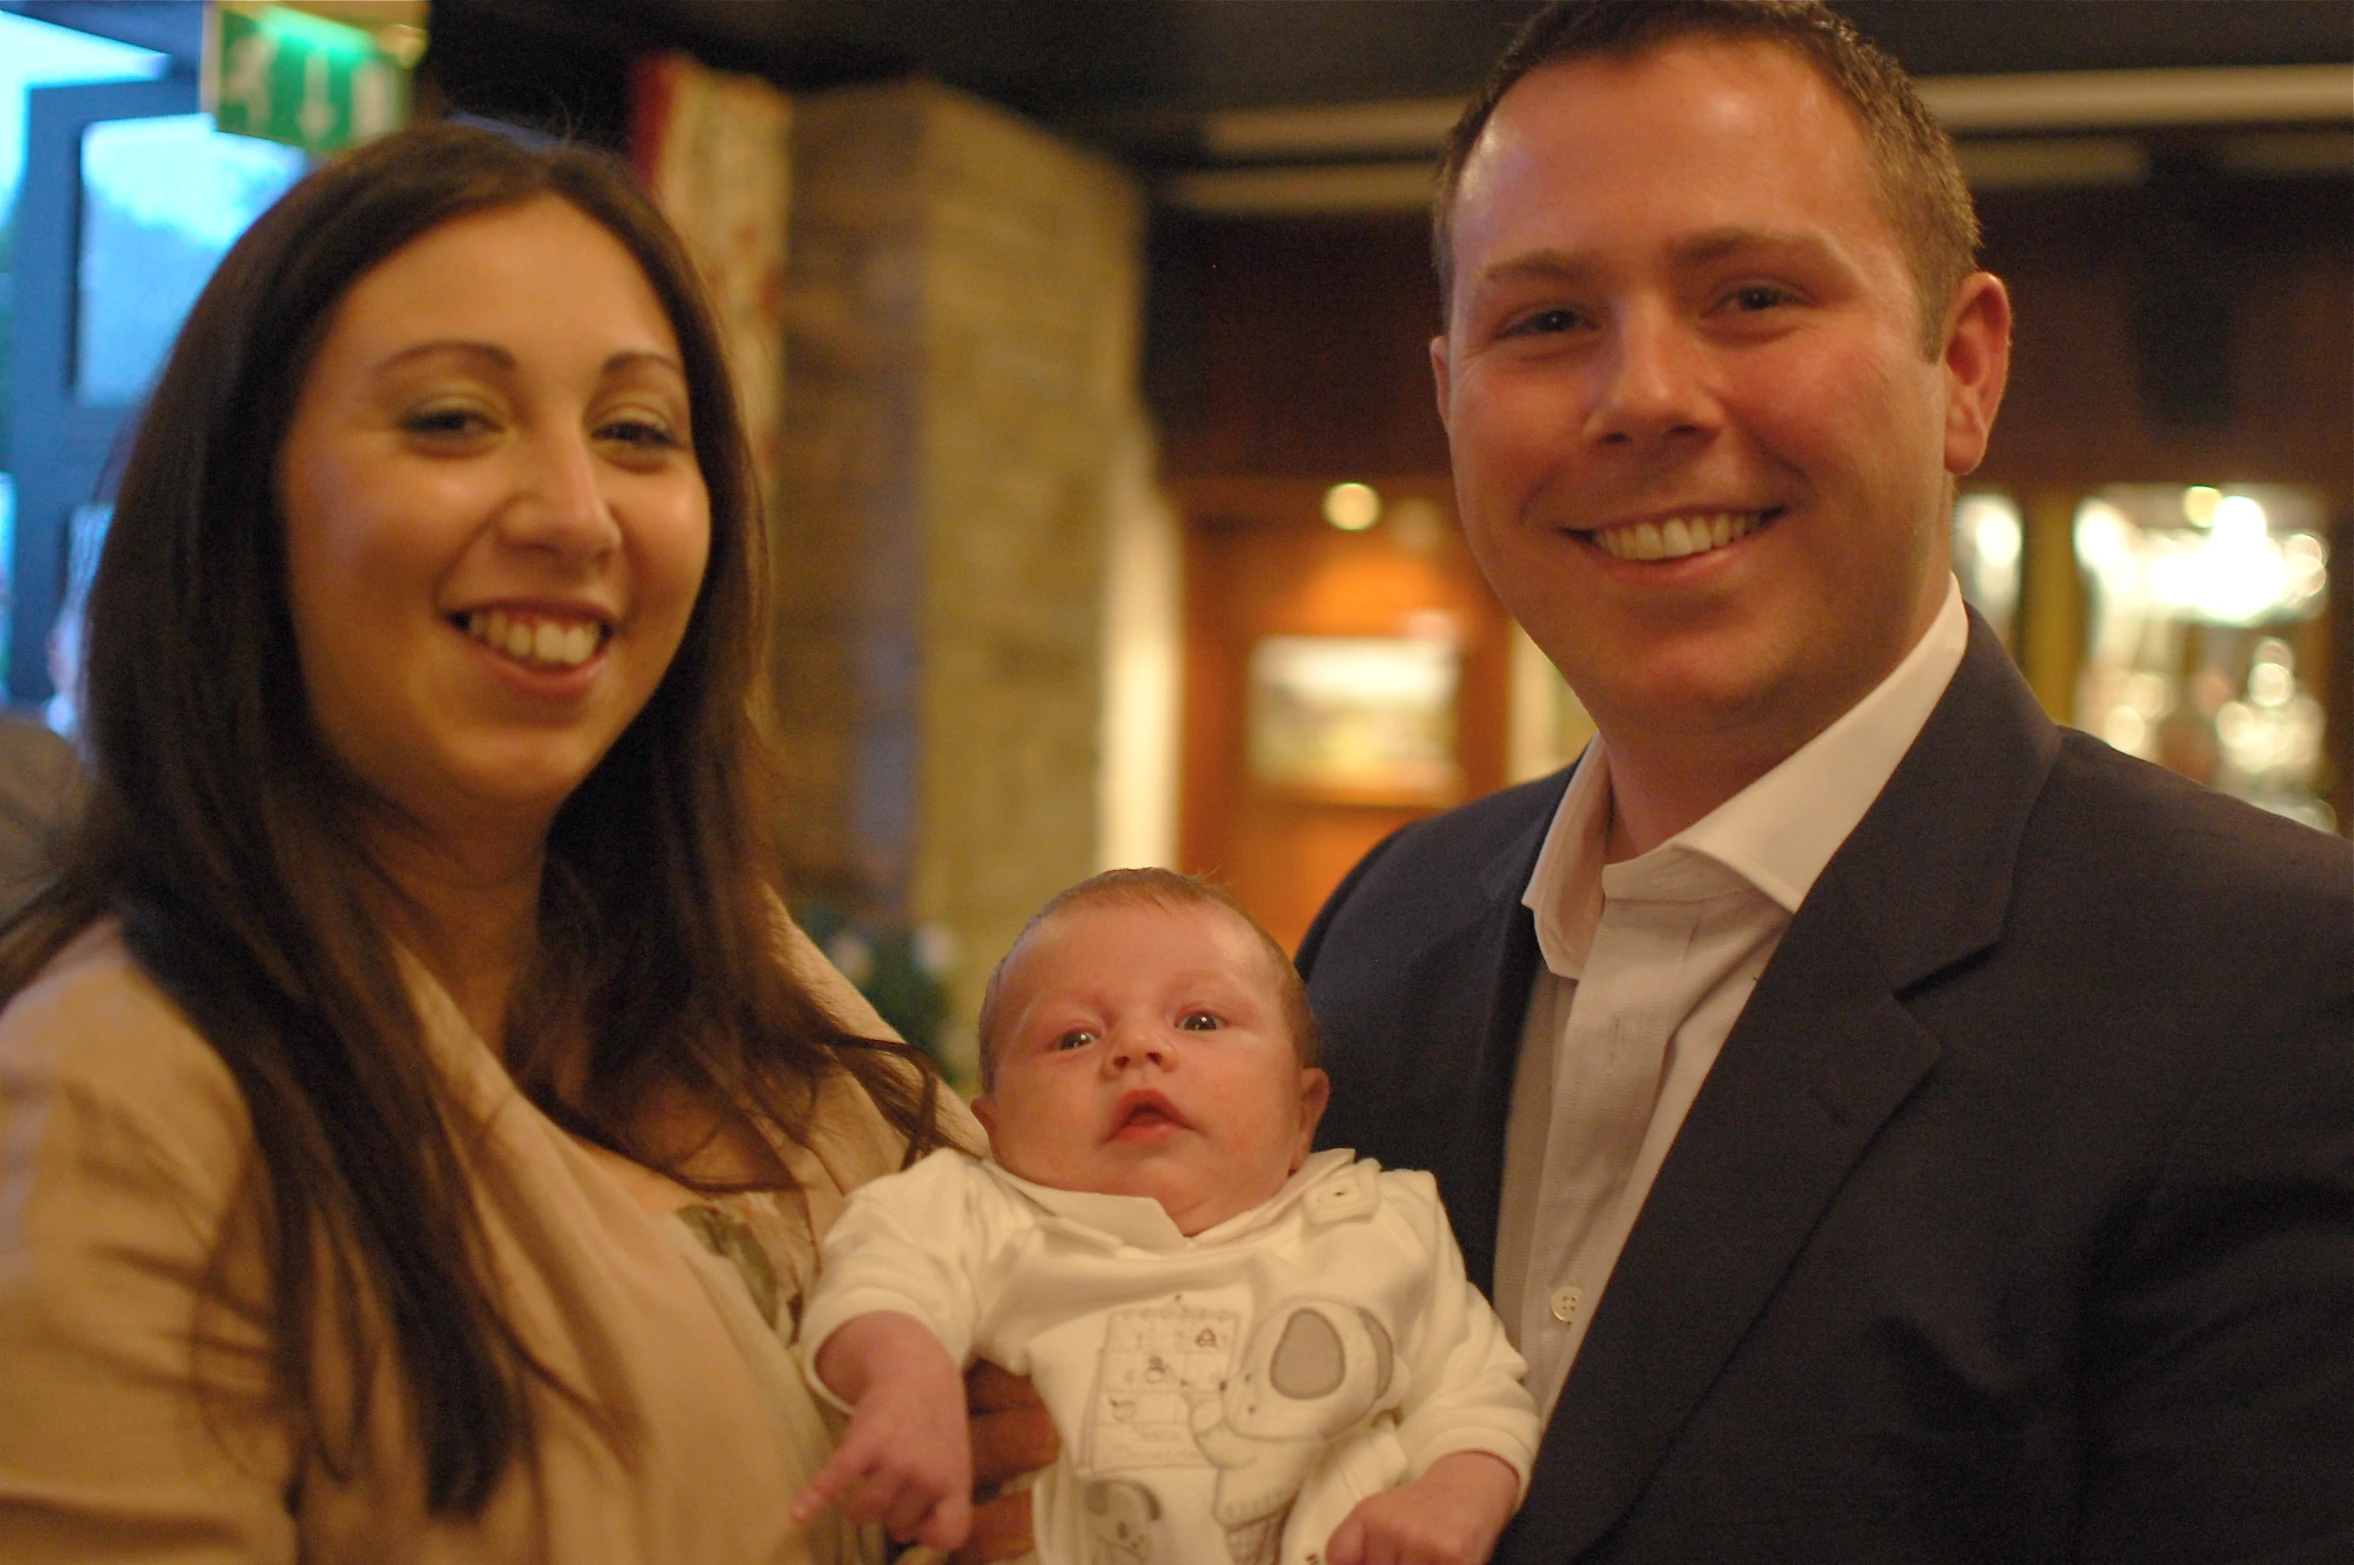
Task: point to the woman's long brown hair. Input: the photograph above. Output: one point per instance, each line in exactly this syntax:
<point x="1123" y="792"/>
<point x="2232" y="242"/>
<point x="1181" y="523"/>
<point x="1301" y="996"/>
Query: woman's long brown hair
<point x="226" y="837"/>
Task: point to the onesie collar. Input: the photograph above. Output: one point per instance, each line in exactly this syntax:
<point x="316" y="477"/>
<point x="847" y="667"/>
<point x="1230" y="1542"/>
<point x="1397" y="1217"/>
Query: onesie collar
<point x="1141" y="1222"/>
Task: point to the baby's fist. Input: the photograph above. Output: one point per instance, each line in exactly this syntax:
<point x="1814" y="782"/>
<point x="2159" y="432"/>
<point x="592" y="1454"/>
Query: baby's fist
<point x="1451" y="1515"/>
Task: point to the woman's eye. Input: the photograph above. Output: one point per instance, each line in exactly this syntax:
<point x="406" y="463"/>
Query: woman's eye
<point x="1076" y="1038"/>
<point x="1199" y="1021"/>
<point x="445" y="422"/>
<point x="642" y="434"/>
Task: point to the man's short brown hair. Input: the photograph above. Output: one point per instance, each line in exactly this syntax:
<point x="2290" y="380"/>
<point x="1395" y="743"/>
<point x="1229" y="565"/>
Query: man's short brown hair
<point x="1920" y="185"/>
<point x="1161" y="888"/>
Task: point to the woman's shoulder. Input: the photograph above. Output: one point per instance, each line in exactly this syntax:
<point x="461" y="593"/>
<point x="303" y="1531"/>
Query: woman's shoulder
<point x="98" y="1068"/>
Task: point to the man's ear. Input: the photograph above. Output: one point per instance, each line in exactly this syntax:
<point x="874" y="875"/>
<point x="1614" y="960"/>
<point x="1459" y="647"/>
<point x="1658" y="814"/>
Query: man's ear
<point x="1438" y="373"/>
<point x="985" y="1110"/>
<point x="1977" y="362"/>
<point x="1315" y="1093"/>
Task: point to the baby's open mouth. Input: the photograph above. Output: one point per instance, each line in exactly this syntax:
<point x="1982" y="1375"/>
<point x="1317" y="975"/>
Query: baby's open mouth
<point x="540" y="640"/>
<point x="1678" y="536"/>
<point x="1143" y="1111"/>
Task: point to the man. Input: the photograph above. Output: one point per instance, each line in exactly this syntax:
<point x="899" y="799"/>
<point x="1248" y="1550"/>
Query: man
<point x="1895" y="1129"/>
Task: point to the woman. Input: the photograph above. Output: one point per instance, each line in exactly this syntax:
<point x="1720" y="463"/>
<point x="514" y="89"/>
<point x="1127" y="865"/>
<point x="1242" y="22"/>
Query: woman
<point x="419" y="940"/>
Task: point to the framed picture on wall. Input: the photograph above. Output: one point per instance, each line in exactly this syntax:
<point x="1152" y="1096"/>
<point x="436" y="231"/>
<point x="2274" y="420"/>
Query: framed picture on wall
<point x="1356" y="718"/>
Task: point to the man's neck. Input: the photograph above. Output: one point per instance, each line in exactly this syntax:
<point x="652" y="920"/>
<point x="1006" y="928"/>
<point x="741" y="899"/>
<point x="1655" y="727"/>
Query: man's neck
<point x="1659" y="786"/>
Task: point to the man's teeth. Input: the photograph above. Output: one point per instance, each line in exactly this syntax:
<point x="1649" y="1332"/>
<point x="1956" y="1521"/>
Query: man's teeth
<point x="535" y="640"/>
<point x="1677" y="536"/>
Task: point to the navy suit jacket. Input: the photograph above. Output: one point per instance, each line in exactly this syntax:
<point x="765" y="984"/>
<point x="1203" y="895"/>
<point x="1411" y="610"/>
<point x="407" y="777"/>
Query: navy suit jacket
<point x="2015" y="1222"/>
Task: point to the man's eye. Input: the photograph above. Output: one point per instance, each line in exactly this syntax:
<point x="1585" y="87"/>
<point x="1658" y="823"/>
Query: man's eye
<point x="1199" y="1021"/>
<point x="1076" y="1038"/>
<point x="1757" y="296"/>
<point x="1545" y="322"/>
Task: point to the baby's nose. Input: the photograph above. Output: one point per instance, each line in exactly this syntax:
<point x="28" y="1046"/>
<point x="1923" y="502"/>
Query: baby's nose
<point x="1127" y="1052"/>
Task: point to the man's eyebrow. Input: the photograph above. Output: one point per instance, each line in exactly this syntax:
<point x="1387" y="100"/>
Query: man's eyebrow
<point x="1715" y="244"/>
<point x="1538" y="266"/>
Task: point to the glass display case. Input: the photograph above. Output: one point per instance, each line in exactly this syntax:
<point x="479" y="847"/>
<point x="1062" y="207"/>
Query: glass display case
<point x="2206" y="648"/>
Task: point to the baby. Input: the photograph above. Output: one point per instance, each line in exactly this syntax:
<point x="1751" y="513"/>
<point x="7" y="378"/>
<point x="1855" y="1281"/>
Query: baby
<point x="1253" y="1355"/>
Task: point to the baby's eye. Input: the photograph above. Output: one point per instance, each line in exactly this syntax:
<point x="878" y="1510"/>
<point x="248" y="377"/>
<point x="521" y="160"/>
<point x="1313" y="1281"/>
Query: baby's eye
<point x="1199" y="1021"/>
<point x="1076" y="1038"/>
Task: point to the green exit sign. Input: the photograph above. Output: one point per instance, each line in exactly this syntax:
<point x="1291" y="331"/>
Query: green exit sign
<point x="287" y="75"/>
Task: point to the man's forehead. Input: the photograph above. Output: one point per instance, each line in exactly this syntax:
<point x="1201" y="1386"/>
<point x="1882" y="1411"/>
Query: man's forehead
<point x="1750" y="104"/>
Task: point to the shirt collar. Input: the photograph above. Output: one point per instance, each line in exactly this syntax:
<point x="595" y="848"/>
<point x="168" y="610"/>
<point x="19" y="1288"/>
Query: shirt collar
<point x="1142" y="1222"/>
<point x="1777" y="833"/>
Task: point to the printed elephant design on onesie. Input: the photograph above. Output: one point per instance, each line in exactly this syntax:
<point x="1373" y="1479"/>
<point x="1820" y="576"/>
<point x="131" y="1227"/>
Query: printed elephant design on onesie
<point x="1123" y="1523"/>
<point x="1311" y="1370"/>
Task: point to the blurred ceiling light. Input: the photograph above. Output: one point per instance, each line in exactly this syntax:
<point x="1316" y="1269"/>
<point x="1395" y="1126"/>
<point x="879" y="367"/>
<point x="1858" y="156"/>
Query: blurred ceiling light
<point x="1352" y="507"/>
<point x="2199" y="503"/>
<point x="2197" y="95"/>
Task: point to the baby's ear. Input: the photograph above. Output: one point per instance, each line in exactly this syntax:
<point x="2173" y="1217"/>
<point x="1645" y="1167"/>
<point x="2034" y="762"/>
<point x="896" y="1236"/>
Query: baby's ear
<point x="1315" y="1093"/>
<point x="985" y="1110"/>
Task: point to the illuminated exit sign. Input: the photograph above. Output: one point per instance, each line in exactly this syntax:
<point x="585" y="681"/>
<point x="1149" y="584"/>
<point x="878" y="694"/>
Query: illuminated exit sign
<point x="287" y="75"/>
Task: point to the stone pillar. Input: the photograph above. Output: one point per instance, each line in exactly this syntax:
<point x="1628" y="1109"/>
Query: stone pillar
<point x="961" y="314"/>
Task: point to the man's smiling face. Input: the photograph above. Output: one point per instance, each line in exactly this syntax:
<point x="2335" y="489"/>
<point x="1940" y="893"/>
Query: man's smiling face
<point x="1698" y="448"/>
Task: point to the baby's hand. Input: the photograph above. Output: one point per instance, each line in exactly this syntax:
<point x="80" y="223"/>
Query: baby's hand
<point x="1451" y="1515"/>
<point x="906" y="1460"/>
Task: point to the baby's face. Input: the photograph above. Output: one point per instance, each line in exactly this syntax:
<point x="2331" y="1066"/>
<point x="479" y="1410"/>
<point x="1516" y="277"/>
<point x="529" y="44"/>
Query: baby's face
<point x="1144" y="1052"/>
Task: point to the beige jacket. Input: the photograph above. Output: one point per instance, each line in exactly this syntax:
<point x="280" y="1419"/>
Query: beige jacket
<point x="124" y="1145"/>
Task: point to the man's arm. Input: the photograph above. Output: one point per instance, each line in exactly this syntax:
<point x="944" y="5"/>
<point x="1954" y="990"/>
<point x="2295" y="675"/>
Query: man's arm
<point x="2221" y="1372"/>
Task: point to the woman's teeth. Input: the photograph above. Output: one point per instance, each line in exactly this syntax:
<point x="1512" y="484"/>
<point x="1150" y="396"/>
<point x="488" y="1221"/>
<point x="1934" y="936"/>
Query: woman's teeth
<point x="1677" y="536"/>
<point x="551" y="642"/>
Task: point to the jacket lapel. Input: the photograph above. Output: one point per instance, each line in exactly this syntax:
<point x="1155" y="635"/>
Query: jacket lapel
<point x="1502" y="960"/>
<point x="1824" y="1052"/>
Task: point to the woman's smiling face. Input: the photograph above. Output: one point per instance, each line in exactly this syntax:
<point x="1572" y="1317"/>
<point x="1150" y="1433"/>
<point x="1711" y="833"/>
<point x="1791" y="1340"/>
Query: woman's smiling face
<point x="496" y="527"/>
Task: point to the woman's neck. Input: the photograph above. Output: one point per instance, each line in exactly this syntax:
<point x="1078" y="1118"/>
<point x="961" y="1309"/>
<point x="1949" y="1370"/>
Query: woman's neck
<point x="471" y="914"/>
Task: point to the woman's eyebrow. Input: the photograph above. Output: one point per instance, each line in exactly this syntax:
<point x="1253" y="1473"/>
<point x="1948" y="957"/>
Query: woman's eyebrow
<point x="460" y="345"/>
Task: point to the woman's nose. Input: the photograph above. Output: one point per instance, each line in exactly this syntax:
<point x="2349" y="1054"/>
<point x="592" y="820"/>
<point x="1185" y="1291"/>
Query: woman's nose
<point x="560" y="503"/>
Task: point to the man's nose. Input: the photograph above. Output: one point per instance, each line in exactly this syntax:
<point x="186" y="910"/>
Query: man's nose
<point x="560" y="503"/>
<point x="1651" y="380"/>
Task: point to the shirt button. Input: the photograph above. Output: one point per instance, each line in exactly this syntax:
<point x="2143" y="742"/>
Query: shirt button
<point x="1565" y="1303"/>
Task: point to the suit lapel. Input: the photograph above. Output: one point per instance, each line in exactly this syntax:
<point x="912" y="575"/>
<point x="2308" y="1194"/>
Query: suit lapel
<point x="1824" y="1052"/>
<point x="1502" y="959"/>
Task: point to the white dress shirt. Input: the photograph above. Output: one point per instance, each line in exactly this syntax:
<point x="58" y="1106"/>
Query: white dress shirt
<point x="1647" y="965"/>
